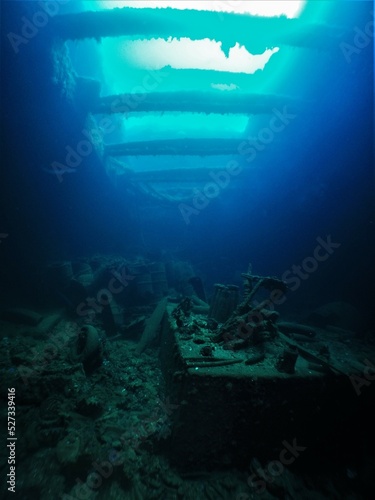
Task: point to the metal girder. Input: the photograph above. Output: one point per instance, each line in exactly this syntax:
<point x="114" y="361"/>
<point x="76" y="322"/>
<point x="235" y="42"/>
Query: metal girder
<point x="176" y="147"/>
<point x="254" y="32"/>
<point x="200" y="102"/>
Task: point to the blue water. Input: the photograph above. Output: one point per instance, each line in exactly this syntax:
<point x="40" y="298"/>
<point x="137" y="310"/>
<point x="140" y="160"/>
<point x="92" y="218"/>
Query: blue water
<point x="314" y="179"/>
<point x="294" y="197"/>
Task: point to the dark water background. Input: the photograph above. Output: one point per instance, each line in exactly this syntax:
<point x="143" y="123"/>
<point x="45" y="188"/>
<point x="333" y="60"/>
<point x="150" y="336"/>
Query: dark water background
<point x="316" y="180"/>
